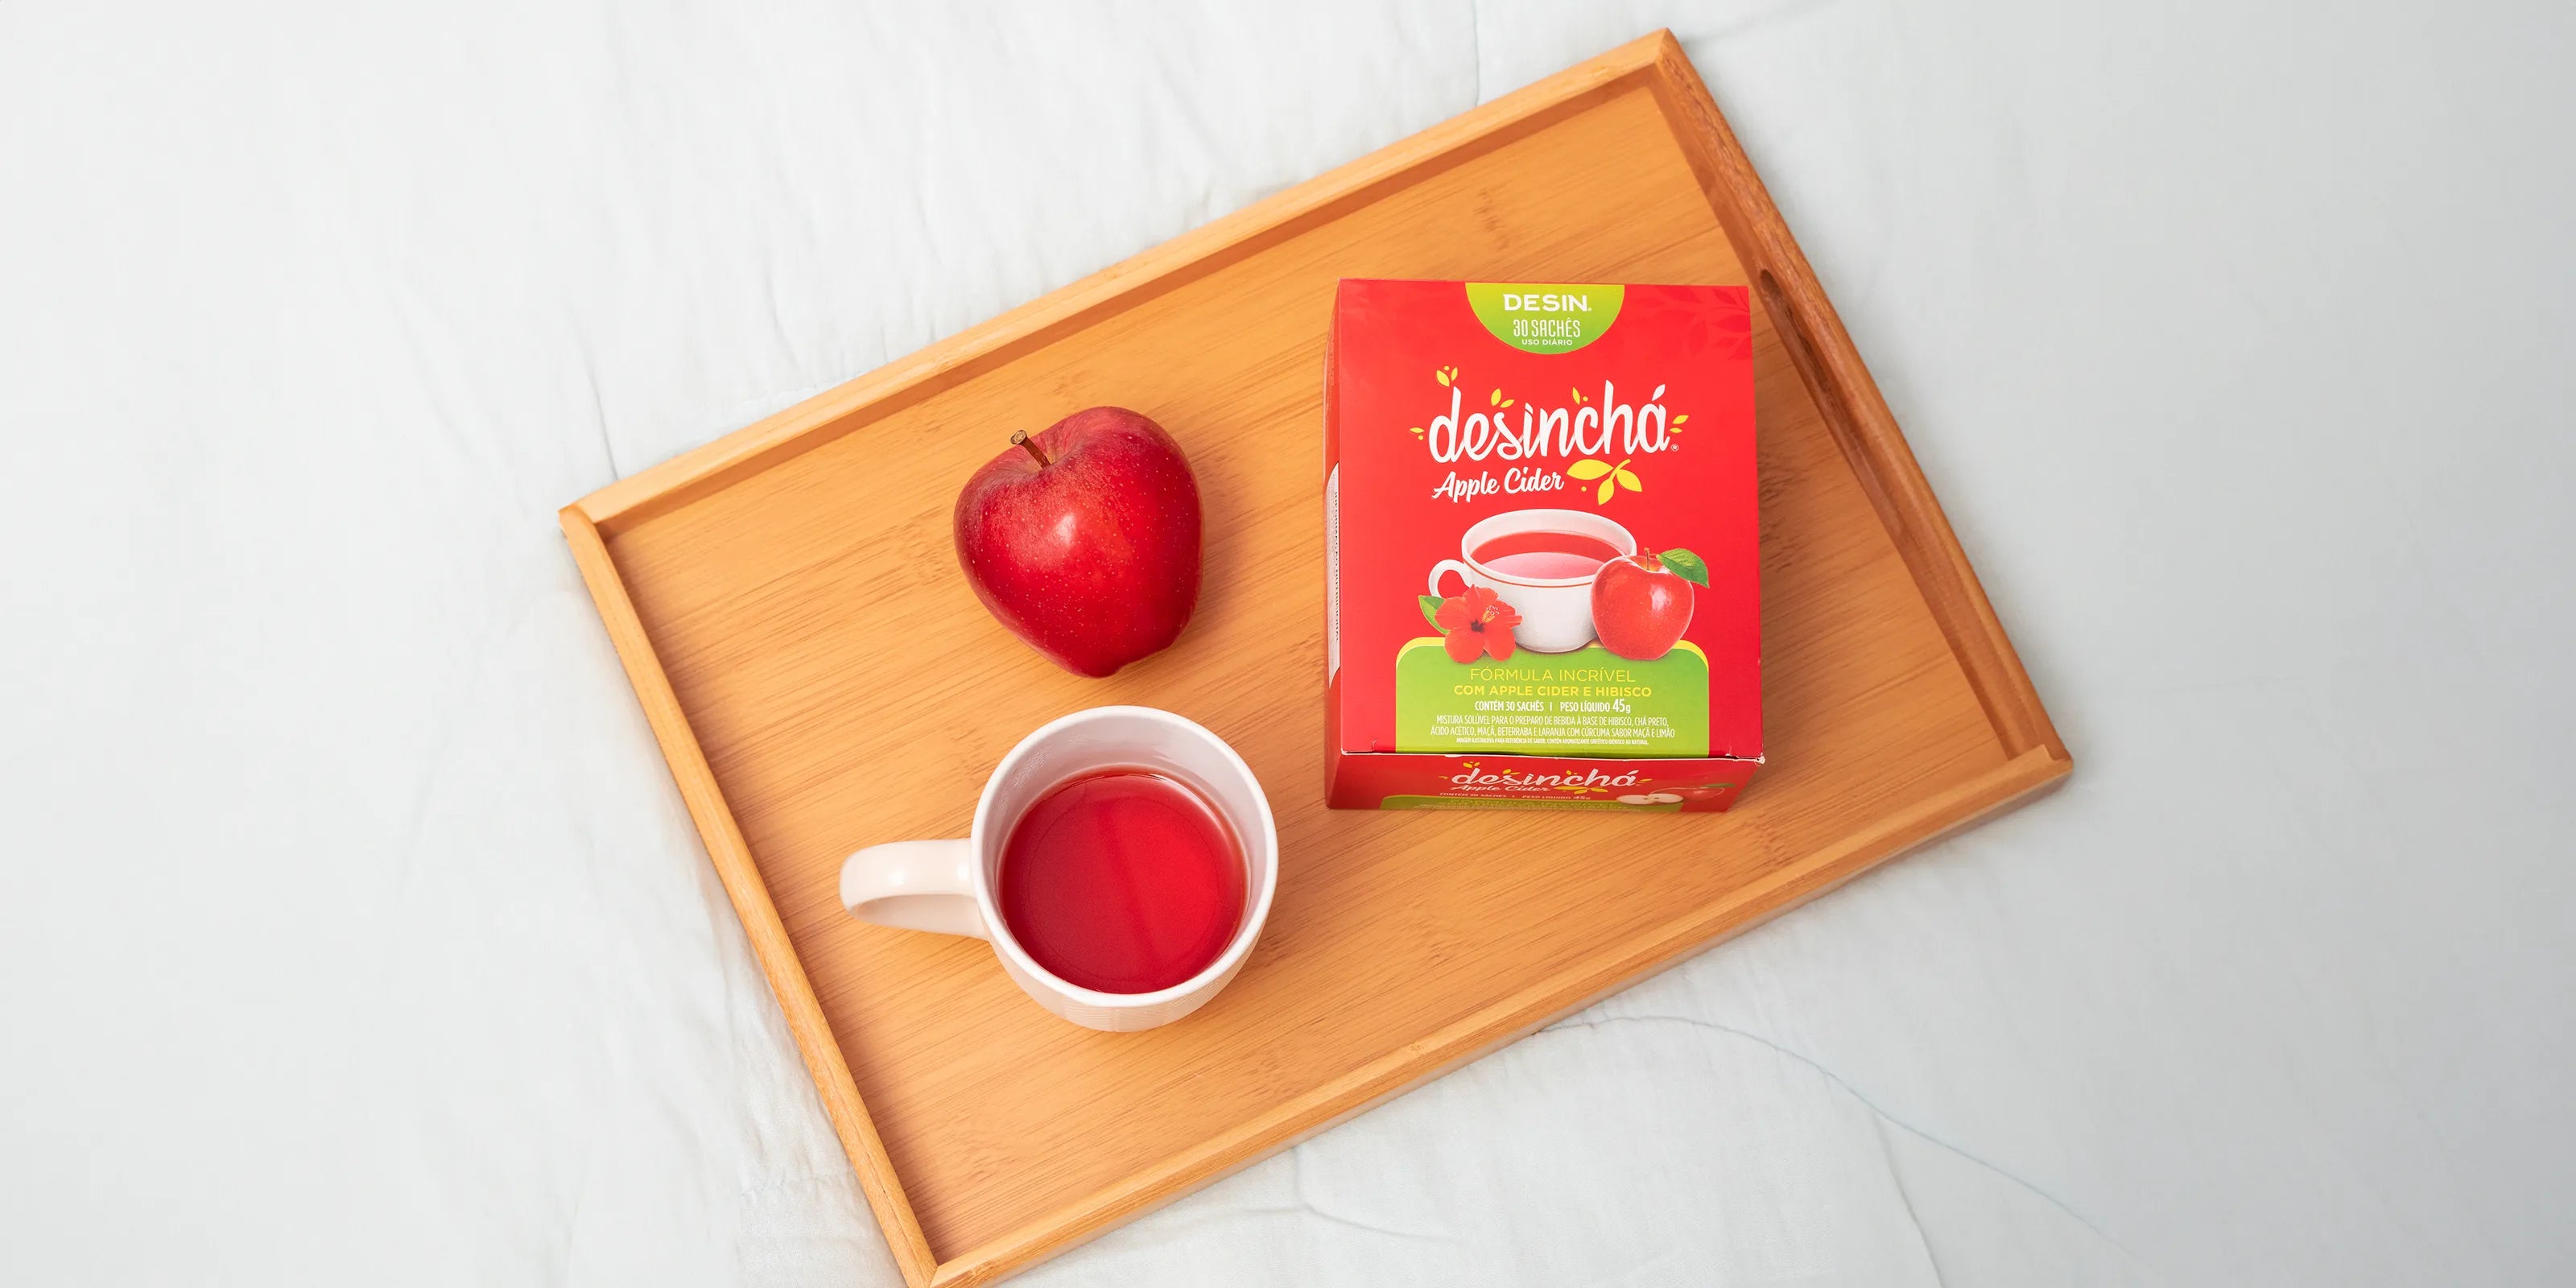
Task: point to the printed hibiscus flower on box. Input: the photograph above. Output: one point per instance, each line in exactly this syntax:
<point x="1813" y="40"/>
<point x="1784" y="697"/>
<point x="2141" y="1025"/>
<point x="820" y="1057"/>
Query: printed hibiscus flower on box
<point x="1473" y="624"/>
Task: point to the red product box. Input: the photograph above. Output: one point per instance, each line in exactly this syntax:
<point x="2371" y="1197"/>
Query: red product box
<point x="1542" y="565"/>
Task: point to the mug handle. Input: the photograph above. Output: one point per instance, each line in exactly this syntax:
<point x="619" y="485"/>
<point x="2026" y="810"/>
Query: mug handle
<point x="915" y="885"/>
<point x="1466" y="576"/>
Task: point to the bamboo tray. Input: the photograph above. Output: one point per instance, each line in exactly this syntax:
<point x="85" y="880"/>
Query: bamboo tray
<point x="788" y="607"/>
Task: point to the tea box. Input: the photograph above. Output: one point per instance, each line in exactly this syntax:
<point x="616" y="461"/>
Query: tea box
<point x="1541" y="547"/>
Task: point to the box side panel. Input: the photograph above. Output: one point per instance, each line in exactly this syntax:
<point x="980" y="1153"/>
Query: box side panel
<point x="1395" y="780"/>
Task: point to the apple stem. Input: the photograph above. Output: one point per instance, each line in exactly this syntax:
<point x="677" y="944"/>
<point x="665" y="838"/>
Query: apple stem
<point x="1020" y="438"/>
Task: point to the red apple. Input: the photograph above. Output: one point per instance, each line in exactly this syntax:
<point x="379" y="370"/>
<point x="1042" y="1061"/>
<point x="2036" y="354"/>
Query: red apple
<point x="1084" y="540"/>
<point x="1640" y="605"/>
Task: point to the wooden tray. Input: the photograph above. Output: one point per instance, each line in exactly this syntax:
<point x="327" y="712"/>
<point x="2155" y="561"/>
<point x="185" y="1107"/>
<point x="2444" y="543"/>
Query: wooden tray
<point x="786" y="601"/>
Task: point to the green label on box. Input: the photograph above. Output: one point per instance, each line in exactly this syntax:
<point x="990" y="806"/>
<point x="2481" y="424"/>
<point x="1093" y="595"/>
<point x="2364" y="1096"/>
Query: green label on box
<point x="1590" y="702"/>
<point x="1546" y="317"/>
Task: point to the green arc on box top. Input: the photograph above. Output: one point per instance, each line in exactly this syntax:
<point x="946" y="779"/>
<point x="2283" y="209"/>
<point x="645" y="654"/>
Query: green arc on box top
<point x="1546" y="317"/>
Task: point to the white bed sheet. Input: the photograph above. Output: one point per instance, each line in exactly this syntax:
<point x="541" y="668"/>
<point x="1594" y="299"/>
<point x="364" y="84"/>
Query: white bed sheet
<point x="353" y="931"/>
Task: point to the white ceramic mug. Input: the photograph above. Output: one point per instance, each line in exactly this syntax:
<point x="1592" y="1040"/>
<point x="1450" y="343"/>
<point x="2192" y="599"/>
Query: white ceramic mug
<point x="948" y="886"/>
<point x="1556" y="614"/>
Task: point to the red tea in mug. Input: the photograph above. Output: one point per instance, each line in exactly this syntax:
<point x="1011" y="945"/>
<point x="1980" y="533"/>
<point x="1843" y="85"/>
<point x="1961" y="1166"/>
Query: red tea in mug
<point x="1122" y="881"/>
<point x="1542" y="582"/>
<point x="1545" y="556"/>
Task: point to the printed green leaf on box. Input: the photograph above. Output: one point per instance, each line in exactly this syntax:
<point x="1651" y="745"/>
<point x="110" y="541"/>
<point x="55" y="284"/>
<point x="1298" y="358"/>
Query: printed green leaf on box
<point x="1692" y="568"/>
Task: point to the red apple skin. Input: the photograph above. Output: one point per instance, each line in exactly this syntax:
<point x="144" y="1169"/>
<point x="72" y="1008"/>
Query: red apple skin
<point x="1093" y="558"/>
<point x="1640" y="607"/>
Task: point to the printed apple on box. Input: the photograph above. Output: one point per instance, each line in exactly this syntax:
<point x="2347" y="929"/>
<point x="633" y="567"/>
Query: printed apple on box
<point x="1542" y="564"/>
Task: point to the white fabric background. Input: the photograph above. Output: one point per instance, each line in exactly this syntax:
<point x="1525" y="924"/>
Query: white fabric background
<point x="352" y="930"/>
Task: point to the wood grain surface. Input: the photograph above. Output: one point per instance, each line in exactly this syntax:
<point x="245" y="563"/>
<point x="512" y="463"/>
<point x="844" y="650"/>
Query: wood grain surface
<point x="788" y="606"/>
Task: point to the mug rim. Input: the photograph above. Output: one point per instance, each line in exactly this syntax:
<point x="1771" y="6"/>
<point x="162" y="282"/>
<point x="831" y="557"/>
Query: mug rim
<point x="1467" y="545"/>
<point x="1256" y="905"/>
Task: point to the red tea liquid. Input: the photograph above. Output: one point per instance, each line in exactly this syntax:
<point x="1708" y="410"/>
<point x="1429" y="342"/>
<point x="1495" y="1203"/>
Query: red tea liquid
<point x="1545" y="556"/>
<point x="1123" y="881"/>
